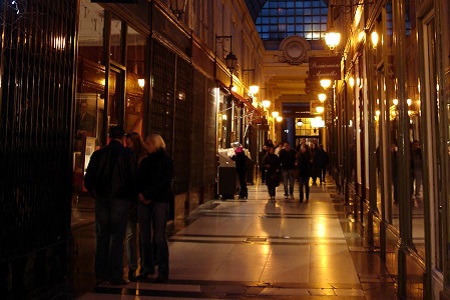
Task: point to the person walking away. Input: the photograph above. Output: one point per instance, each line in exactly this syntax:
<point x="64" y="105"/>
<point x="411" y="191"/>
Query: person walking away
<point x="304" y="170"/>
<point x="133" y="141"/>
<point x="416" y="168"/>
<point x="322" y="161"/>
<point x="110" y="178"/>
<point x="241" y="168"/>
<point x="154" y="193"/>
<point x="287" y="161"/>
<point x="272" y="168"/>
<point x="314" y="172"/>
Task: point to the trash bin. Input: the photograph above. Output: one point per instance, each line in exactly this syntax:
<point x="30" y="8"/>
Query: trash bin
<point x="227" y="182"/>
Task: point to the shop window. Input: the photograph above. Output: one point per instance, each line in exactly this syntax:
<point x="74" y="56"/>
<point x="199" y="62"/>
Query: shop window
<point x="136" y="81"/>
<point x="89" y="94"/>
<point x="116" y="38"/>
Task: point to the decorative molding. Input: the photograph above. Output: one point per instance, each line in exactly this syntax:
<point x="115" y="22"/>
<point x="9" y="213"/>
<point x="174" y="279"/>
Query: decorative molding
<point x="294" y="50"/>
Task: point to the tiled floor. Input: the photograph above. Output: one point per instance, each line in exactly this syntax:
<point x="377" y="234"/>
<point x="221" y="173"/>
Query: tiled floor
<point x="264" y="249"/>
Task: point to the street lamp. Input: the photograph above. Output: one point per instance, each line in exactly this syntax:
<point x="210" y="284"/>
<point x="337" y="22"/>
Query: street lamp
<point x="177" y="7"/>
<point x="275" y="114"/>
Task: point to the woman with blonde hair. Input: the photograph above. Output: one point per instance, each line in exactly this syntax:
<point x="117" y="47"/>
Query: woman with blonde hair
<point x="154" y="194"/>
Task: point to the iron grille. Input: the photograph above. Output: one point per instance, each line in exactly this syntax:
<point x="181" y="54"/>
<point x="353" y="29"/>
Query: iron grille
<point x="198" y="130"/>
<point x="37" y="54"/>
<point x="162" y="105"/>
<point x="183" y="126"/>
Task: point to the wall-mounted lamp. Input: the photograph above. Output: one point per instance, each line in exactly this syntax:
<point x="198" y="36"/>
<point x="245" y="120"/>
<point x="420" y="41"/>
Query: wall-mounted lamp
<point x="266" y="103"/>
<point x="178" y="7"/>
<point x="325" y="83"/>
<point x="141" y="83"/>
<point x="409" y="102"/>
<point x="322" y="97"/>
<point x="254" y="88"/>
<point x="374" y="38"/>
<point x="230" y="59"/>
<point x="395" y="101"/>
<point x="299" y="123"/>
<point x="279" y="119"/>
<point x="320" y="109"/>
<point x="332" y="39"/>
<point x="275" y="114"/>
<point x="351" y="81"/>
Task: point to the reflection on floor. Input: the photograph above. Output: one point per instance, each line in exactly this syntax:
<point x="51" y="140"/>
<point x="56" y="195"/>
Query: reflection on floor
<point x="256" y="248"/>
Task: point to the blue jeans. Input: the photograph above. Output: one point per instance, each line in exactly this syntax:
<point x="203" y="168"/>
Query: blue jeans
<point x="111" y="216"/>
<point x="152" y="224"/>
<point x="288" y="181"/>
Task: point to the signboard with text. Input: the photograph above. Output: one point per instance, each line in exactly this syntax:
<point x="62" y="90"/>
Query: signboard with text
<point x="328" y="67"/>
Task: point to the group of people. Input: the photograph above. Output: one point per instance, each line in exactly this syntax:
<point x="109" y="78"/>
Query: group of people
<point x="287" y="165"/>
<point x="132" y="186"/>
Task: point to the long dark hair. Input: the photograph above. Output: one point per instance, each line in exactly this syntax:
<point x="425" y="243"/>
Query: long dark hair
<point x="137" y="145"/>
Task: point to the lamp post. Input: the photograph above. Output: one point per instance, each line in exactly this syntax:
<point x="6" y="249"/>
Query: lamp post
<point x="178" y="7"/>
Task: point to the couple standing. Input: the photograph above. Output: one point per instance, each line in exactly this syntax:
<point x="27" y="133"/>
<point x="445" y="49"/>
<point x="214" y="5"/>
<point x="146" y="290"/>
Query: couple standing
<point x="114" y="179"/>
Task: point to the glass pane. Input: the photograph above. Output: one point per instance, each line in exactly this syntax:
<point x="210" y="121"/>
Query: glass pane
<point x="115" y="49"/>
<point x="415" y="122"/>
<point x="89" y="100"/>
<point x="136" y="81"/>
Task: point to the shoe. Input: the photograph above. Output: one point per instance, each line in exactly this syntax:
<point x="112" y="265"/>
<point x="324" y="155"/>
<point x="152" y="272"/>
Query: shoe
<point x="142" y="276"/>
<point x="286" y="197"/>
<point x="161" y="279"/>
<point x="292" y="196"/>
<point x="132" y="275"/>
<point x="118" y="282"/>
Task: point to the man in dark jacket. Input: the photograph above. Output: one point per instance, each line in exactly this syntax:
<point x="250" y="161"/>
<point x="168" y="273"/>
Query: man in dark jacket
<point x="110" y="178"/>
<point x="287" y="160"/>
<point x="241" y="168"/>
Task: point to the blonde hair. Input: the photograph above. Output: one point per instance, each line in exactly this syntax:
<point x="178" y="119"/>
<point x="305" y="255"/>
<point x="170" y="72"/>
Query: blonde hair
<point x="156" y="140"/>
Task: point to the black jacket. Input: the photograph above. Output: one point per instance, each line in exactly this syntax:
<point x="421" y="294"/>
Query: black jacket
<point x="155" y="177"/>
<point x="287" y="158"/>
<point x="304" y="163"/>
<point x="112" y="172"/>
<point x="239" y="158"/>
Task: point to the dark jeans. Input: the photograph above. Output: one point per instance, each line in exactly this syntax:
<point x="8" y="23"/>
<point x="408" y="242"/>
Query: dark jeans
<point x="130" y="241"/>
<point x="111" y="216"/>
<point x="152" y="226"/>
<point x="288" y="181"/>
<point x="303" y="181"/>
<point x="323" y="173"/>
<point x="243" y="191"/>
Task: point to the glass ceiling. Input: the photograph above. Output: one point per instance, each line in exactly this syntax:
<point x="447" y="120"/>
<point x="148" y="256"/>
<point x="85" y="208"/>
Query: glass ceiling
<point x="277" y="19"/>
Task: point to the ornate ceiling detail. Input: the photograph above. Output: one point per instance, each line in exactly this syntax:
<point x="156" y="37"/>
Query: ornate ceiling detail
<point x="295" y="50"/>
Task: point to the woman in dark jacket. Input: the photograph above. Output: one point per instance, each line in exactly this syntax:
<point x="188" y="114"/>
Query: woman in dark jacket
<point x="154" y="187"/>
<point x="272" y="168"/>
